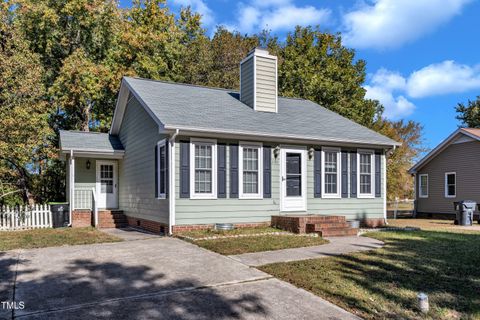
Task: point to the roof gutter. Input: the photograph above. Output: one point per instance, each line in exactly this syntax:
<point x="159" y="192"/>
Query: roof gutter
<point x="171" y="181"/>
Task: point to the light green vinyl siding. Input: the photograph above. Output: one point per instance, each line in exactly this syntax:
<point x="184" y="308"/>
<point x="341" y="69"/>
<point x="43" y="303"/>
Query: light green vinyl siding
<point x="266" y="85"/>
<point x="85" y="180"/>
<point x="352" y="208"/>
<point x="246" y="85"/>
<point x="139" y="136"/>
<point x="206" y="211"/>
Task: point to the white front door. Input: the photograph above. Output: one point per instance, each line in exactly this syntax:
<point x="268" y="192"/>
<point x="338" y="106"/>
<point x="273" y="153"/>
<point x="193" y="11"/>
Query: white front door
<point x="293" y="179"/>
<point x="106" y="185"/>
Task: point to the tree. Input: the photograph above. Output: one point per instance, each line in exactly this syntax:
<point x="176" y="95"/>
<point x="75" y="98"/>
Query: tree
<point x="58" y="28"/>
<point x="316" y="66"/>
<point x="400" y="183"/>
<point x="81" y="91"/>
<point x="469" y="114"/>
<point x="24" y="128"/>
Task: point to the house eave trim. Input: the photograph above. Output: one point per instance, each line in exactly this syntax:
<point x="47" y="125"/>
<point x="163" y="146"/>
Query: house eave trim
<point x="277" y="137"/>
<point x="445" y="143"/>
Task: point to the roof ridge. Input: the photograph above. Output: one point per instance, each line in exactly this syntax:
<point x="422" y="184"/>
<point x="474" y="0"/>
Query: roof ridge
<point x="88" y="132"/>
<point x="205" y="87"/>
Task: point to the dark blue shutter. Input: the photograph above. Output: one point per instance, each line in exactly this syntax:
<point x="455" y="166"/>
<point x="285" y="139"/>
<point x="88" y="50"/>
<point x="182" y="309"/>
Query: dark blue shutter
<point x="233" y="171"/>
<point x="353" y="174"/>
<point x="184" y="169"/>
<point x="378" y="172"/>
<point x="221" y="171"/>
<point x="156" y="171"/>
<point x="344" y="174"/>
<point x="267" y="172"/>
<point x="317" y="174"/>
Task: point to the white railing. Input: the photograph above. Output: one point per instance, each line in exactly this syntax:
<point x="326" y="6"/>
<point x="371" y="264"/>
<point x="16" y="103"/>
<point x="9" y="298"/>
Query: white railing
<point x="83" y="198"/>
<point x="86" y="198"/>
<point x="25" y="217"/>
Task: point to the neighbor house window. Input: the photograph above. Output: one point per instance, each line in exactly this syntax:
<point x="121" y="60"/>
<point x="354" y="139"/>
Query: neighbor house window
<point x="331" y="172"/>
<point x="450" y="184"/>
<point x="162" y="178"/>
<point x="423" y="186"/>
<point x="203" y="155"/>
<point x="365" y="174"/>
<point x="251" y="174"/>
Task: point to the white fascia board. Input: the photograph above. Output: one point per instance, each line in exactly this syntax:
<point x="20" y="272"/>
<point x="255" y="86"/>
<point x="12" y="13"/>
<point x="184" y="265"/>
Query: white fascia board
<point x="280" y="138"/>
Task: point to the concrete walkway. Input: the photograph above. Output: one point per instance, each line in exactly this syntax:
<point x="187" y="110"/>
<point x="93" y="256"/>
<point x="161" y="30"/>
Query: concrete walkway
<point x="337" y="246"/>
<point x="155" y="278"/>
<point x="130" y="234"/>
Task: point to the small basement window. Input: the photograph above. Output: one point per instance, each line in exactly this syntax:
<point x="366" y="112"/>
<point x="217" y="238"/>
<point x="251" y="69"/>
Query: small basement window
<point x="450" y="184"/>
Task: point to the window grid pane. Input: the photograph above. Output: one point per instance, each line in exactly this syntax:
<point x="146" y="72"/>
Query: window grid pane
<point x="423" y="185"/>
<point x="451" y="184"/>
<point x="250" y="170"/>
<point x="330" y="166"/>
<point x="365" y="173"/>
<point x="203" y="168"/>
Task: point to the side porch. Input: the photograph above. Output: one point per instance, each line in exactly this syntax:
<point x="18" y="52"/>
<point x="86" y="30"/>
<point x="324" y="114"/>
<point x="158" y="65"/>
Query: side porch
<point x="92" y="179"/>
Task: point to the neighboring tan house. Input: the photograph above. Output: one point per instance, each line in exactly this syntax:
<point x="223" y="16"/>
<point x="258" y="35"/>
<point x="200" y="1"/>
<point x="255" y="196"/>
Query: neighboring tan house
<point x="449" y="173"/>
<point x="180" y="156"/>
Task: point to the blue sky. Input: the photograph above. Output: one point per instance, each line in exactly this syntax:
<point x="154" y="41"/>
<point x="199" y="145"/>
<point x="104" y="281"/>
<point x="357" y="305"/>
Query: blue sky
<point x="422" y="55"/>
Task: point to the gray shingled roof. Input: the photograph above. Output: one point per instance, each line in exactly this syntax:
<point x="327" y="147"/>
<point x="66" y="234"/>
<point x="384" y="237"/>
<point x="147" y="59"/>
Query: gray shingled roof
<point x="89" y="141"/>
<point x="211" y="109"/>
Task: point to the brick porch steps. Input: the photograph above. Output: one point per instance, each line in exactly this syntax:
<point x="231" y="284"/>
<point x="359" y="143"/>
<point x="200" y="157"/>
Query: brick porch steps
<point x="112" y="219"/>
<point x="325" y="226"/>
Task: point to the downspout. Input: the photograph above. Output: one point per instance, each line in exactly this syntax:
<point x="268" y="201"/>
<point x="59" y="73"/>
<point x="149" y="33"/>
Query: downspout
<point x="171" y="181"/>
<point x="70" y="184"/>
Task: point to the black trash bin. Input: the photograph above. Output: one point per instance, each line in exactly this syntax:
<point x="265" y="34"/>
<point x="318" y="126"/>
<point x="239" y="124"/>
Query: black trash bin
<point x="60" y="215"/>
<point x="465" y="210"/>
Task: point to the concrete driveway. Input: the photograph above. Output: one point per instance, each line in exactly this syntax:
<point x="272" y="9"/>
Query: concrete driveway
<point x="158" y="278"/>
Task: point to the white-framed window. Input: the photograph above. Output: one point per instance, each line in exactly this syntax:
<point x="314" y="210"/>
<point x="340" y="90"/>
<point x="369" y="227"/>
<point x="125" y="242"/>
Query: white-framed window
<point x="251" y="170"/>
<point x="203" y="169"/>
<point x="423" y="186"/>
<point x="365" y="174"/>
<point x="331" y="173"/>
<point x="162" y="178"/>
<point x="450" y="184"/>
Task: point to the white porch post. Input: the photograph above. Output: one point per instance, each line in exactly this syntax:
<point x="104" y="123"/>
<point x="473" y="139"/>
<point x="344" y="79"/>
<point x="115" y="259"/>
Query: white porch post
<point x="71" y="184"/>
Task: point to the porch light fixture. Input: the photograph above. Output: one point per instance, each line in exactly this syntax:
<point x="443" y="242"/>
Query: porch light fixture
<point x="276" y="152"/>
<point x="88" y="164"/>
<point x="311" y="152"/>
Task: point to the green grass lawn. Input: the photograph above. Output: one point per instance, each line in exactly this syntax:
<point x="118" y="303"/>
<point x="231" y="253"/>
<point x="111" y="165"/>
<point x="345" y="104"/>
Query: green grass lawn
<point x="241" y="245"/>
<point x="197" y="234"/>
<point x="40" y="238"/>
<point x="383" y="284"/>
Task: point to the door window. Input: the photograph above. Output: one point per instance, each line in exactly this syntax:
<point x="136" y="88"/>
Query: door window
<point x="294" y="174"/>
<point x="106" y="178"/>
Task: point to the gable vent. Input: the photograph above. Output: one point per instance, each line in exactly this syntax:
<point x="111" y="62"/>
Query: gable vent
<point x="258" y="81"/>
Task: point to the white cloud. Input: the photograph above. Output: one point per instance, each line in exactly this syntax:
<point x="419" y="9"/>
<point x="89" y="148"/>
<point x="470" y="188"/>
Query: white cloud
<point x="395" y="107"/>
<point x="277" y="15"/>
<point x="443" y="78"/>
<point x="391" y="88"/>
<point x="286" y="18"/>
<point x="384" y="24"/>
<point x="200" y="7"/>
<point x="388" y="79"/>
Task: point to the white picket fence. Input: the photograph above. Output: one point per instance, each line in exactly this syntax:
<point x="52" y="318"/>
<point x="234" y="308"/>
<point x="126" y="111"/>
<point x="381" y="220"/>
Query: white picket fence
<point x="25" y="217"/>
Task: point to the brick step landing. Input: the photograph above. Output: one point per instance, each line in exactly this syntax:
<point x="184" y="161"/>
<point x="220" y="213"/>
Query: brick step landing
<point x="112" y="219"/>
<point x="324" y="225"/>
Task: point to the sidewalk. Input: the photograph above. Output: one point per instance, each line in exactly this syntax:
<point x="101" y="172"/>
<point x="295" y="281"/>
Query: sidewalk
<point x="337" y="246"/>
